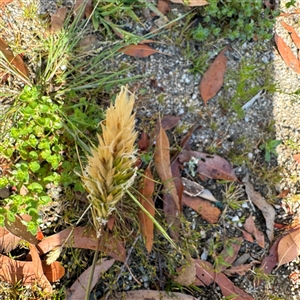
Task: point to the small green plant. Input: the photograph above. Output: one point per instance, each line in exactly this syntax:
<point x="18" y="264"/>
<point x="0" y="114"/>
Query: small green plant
<point x="269" y="148"/>
<point x="36" y="146"/>
<point x="290" y="3"/>
<point x="244" y="83"/>
<point x="234" y="19"/>
<point x="232" y="196"/>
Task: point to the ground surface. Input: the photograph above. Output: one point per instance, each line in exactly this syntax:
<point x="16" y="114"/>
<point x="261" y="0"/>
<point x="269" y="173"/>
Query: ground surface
<point x="169" y="88"/>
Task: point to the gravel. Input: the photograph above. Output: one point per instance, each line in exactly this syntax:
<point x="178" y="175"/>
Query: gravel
<point x="169" y="88"/>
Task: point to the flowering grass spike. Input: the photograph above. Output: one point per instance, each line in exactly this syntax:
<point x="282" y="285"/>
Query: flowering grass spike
<point x="110" y="170"/>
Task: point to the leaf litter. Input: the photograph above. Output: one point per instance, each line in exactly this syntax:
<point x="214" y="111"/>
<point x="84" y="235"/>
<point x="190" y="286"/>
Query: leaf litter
<point x="213" y="78"/>
<point x="267" y="209"/>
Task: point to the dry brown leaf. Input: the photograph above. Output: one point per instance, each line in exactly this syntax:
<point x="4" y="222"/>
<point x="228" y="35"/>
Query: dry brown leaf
<point x="88" y="43"/>
<point x="16" y="61"/>
<point x="13" y="271"/>
<point x="206" y="273"/>
<point x="211" y="166"/>
<point x="88" y="7"/>
<point x="4" y="2"/>
<point x="20" y="230"/>
<point x="297" y="158"/>
<point x="8" y="241"/>
<point x="228" y="288"/>
<point x="247" y="236"/>
<point x="54" y="271"/>
<point x="149" y="295"/>
<point x="212" y="80"/>
<point x="57" y="19"/>
<point x="143" y="142"/>
<point x="140" y="50"/>
<point x="187" y="273"/>
<point x="250" y="227"/>
<point x="240" y="270"/>
<point x="289" y="247"/>
<point x="267" y="209"/>
<point x="38" y="270"/>
<point x="170" y="122"/>
<point x="84" y="238"/>
<point x="204" y="208"/>
<point x="192" y="2"/>
<point x="287" y="54"/>
<point x="292" y="31"/>
<point x="270" y="261"/>
<point x="163" y="6"/>
<point x="146" y="192"/>
<point x="78" y="289"/>
<point x="163" y="166"/>
<point x="229" y="259"/>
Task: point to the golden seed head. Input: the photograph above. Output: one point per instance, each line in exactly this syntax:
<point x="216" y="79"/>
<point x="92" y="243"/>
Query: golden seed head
<point x="110" y="170"/>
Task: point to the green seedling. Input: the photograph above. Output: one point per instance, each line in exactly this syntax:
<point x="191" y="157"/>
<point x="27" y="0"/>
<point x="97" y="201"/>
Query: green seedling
<point x="241" y="20"/>
<point x="270" y="148"/>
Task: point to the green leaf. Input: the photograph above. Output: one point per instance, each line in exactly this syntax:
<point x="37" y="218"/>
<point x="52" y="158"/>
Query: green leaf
<point x="32" y="141"/>
<point x="44" y="200"/>
<point x="45" y="154"/>
<point x="10" y="216"/>
<point x="44" y="145"/>
<point x="33" y="155"/>
<point x="32" y="227"/>
<point x="35" y="187"/>
<point x="34" y="166"/>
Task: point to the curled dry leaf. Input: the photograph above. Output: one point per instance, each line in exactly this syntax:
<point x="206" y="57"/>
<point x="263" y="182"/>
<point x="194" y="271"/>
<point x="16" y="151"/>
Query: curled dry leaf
<point x="147" y="294"/>
<point x="146" y="191"/>
<point x="57" y="19"/>
<point x="289" y="247"/>
<point x="8" y="241"/>
<point x="191" y="2"/>
<point x="54" y="271"/>
<point x="38" y="270"/>
<point x="204" y="208"/>
<point x="163" y="166"/>
<point x="84" y="238"/>
<point x="140" y="50"/>
<point x="13" y="271"/>
<point x="267" y="209"/>
<point x="16" y="61"/>
<point x="78" y="289"/>
<point x="287" y="54"/>
<point x="211" y="166"/>
<point x="213" y="78"/>
<point x="292" y="31"/>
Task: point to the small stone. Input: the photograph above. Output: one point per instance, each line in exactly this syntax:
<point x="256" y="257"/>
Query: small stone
<point x="235" y="219"/>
